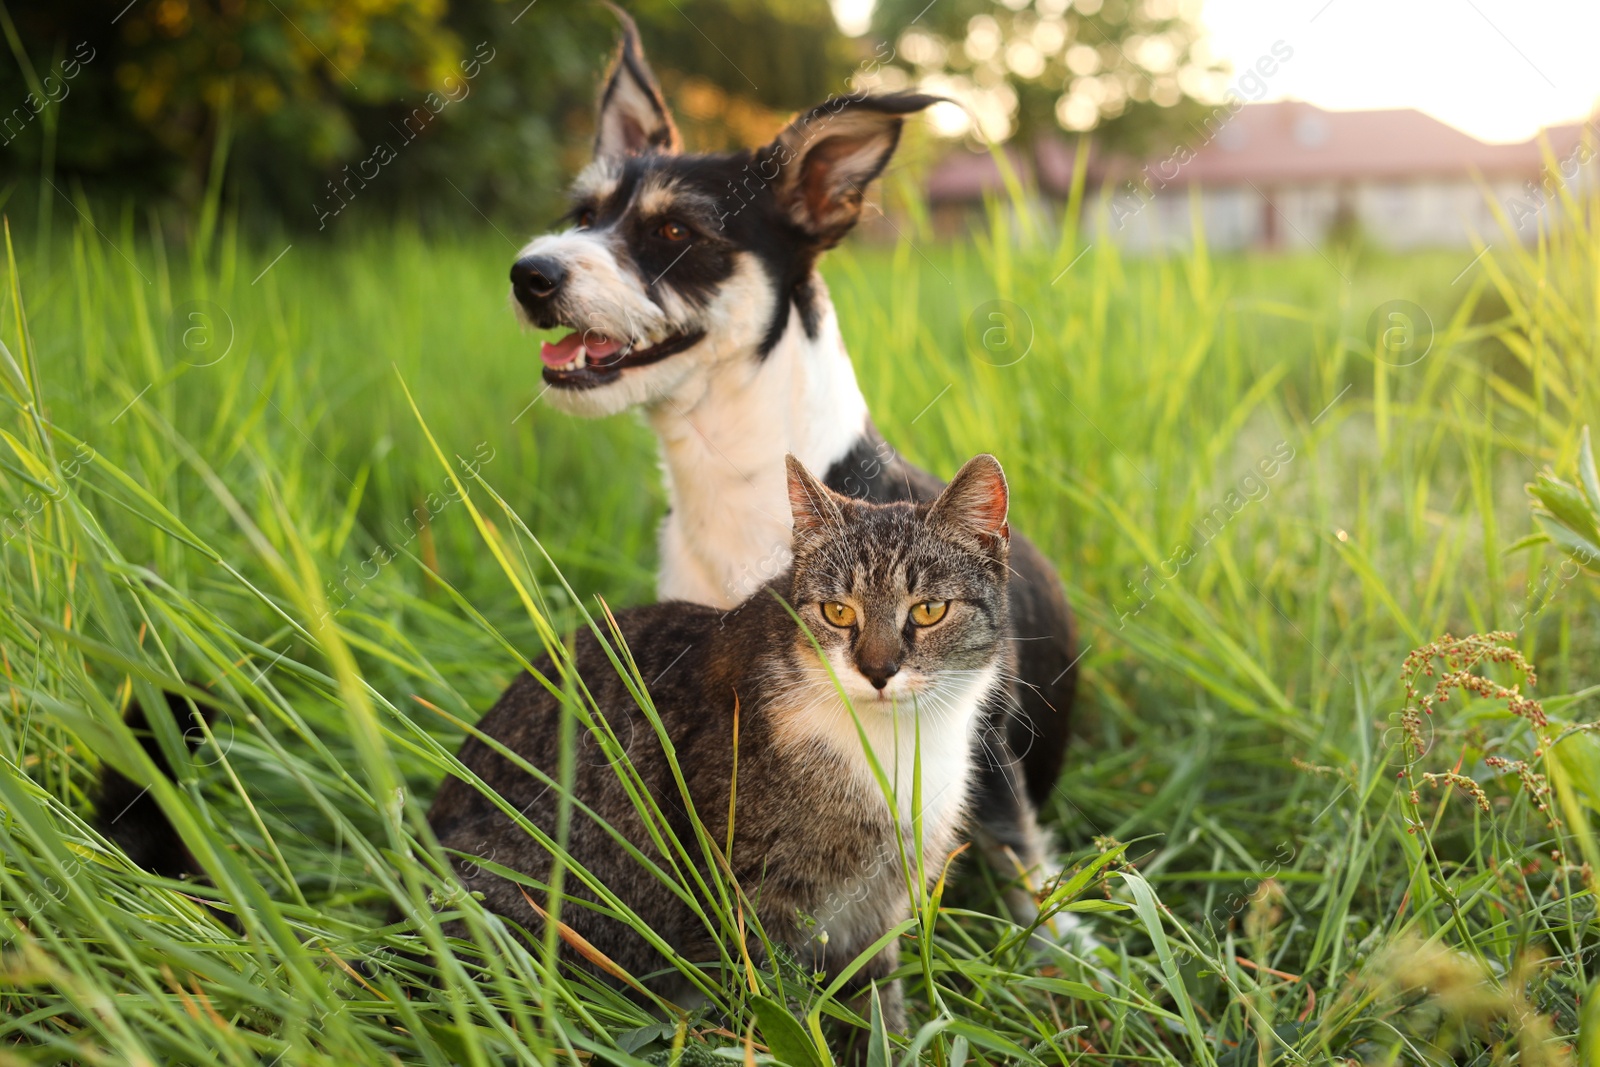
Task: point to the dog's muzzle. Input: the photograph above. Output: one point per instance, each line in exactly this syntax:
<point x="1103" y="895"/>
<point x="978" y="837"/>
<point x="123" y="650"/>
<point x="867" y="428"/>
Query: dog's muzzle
<point x="584" y="360"/>
<point x="589" y="356"/>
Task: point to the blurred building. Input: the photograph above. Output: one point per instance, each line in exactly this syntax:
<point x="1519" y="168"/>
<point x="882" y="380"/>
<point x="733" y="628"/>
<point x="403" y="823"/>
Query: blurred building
<point x="1291" y="175"/>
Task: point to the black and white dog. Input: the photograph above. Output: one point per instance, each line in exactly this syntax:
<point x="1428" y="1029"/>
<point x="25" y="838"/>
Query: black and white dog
<point x="690" y="286"/>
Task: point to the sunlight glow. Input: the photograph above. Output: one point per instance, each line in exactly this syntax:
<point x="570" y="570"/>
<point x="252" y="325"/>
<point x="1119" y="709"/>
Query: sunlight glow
<point x="1497" y="69"/>
<point x="853" y="16"/>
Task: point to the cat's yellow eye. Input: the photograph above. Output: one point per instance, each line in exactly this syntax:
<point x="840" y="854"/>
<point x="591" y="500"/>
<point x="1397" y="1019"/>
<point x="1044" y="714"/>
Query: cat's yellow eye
<point x="840" y="615"/>
<point x="929" y="612"/>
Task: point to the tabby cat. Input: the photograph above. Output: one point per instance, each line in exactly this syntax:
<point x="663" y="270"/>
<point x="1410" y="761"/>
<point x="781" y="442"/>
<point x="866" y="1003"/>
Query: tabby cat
<point x="904" y="610"/>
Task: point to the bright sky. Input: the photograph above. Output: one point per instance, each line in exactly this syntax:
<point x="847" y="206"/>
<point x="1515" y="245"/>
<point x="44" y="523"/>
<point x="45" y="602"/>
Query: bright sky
<point x="1498" y="69"/>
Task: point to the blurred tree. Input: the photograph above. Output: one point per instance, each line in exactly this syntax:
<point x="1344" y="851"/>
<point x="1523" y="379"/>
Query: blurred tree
<point x="161" y="78"/>
<point x="429" y="108"/>
<point x="731" y="69"/>
<point x="1135" y="71"/>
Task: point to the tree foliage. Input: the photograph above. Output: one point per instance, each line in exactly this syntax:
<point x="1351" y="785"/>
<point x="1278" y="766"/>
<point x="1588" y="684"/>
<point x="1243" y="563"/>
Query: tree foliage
<point x="1132" y="70"/>
<point x="452" y="109"/>
<point x="475" y="104"/>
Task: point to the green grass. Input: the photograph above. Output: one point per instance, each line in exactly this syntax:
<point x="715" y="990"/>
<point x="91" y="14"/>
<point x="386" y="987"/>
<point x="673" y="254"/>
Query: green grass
<point x="1282" y="899"/>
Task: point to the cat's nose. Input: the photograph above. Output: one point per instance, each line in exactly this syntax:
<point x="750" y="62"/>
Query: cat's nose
<point x="878" y="672"/>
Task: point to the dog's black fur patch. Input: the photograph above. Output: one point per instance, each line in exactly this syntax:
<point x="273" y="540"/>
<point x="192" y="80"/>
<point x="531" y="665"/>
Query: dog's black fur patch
<point x="722" y="224"/>
<point x="127" y="814"/>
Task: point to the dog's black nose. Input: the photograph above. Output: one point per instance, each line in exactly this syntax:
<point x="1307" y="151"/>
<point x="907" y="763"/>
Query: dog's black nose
<point x="537" y="277"/>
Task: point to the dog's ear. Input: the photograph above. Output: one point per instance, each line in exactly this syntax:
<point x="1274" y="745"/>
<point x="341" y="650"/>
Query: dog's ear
<point x="633" y="116"/>
<point x="826" y="158"/>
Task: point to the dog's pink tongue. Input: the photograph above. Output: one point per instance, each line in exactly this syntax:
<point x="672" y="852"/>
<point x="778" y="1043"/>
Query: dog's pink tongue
<point x="560" y="353"/>
<point x="600" y="346"/>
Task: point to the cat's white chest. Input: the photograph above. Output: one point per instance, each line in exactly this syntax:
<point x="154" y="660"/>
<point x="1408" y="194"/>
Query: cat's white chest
<point x="928" y="770"/>
<point x="924" y="751"/>
<point x="925" y="754"/>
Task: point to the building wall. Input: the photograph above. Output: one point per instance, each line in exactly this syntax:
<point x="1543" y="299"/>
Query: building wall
<point x="1398" y="215"/>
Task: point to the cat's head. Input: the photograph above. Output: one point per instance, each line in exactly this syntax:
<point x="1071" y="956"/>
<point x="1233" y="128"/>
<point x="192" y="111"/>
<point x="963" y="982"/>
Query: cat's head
<point x="905" y="600"/>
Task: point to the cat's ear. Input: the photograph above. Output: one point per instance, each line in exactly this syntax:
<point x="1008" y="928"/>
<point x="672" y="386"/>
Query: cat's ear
<point x="815" y="510"/>
<point x="826" y="158"/>
<point x="633" y="116"/>
<point x="975" y="501"/>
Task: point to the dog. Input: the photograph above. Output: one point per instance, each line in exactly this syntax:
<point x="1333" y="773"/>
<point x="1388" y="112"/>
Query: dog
<point x="689" y="287"/>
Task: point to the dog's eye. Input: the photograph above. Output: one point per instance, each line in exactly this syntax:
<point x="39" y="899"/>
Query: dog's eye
<point x="673" y="231"/>
<point x="585" y="218"/>
<point x="840" y="615"/>
<point x="929" y="612"/>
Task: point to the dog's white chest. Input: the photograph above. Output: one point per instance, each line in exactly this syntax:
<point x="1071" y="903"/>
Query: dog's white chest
<point x="724" y="538"/>
<point x="722" y="450"/>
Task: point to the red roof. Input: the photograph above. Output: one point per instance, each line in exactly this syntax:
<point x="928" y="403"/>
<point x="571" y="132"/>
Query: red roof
<point x="1278" y="143"/>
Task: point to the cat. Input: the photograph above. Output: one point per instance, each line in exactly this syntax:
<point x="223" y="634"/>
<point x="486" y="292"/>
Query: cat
<point x="904" y="611"/>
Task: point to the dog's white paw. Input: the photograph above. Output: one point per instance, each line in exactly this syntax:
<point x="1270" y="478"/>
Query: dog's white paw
<point x="1064" y="930"/>
<point x="1060" y="931"/>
